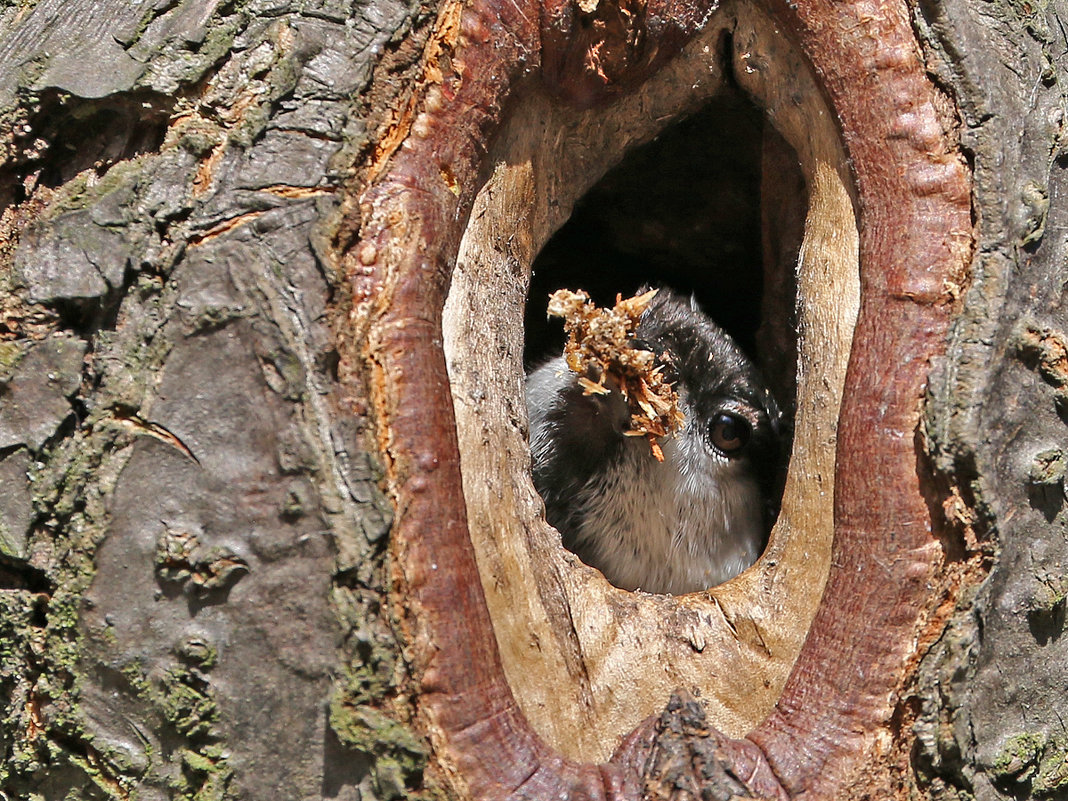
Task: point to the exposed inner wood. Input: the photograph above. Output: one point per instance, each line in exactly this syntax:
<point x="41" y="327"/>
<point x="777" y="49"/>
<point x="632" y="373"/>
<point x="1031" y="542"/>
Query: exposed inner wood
<point x="586" y="661"/>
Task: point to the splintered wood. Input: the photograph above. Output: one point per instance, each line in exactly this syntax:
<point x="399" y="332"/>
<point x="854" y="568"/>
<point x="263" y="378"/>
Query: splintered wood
<point x="599" y="349"/>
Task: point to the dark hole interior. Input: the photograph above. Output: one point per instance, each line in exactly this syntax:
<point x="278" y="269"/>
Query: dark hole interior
<point x="707" y="208"/>
<point x="67" y="136"/>
<point x="681" y="211"/>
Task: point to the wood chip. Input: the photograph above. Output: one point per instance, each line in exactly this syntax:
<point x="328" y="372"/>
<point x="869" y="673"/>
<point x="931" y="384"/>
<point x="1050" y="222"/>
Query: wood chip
<point x="599" y="347"/>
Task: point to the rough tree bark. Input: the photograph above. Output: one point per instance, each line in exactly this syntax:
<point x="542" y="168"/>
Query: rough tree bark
<point x="241" y="518"/>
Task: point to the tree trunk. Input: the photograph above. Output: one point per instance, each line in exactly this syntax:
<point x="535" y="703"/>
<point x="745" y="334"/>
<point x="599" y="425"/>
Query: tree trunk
<point x="266" y="522"/>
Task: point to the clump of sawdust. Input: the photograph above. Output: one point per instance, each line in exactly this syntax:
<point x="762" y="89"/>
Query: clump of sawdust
<point x="599" y="348"/>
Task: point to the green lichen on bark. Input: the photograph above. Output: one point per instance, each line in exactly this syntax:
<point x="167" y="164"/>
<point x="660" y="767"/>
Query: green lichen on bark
<point x="237" y="103"/>
<point x="1032" y="763"/>
<point x="11" y="354"/>
<point x="42" y="734"/>
<point x="90" y="187"/>
<point x="366" y="713"/>
<point x="184" y="701"/>
<point x="1052" y="779"/>
<point x="20" y="640"/>
<point x="371" y="711"/>
<point x="1018" y="760"/>
<point x="399" y="757"/>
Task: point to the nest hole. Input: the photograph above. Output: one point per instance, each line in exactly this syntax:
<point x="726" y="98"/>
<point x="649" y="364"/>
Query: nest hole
<point x="723" y="176"/>
<point x="712" y="207"/>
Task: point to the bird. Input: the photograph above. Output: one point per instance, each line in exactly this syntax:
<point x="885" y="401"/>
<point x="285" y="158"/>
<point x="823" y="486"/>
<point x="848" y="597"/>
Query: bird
<point x="687" y="523"/>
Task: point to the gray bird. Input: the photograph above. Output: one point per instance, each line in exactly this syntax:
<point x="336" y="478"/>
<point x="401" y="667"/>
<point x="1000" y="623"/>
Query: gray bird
<point x="685" y="524"/>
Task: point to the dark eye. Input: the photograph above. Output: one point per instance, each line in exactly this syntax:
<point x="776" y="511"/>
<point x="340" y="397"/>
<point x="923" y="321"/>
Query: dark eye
<point x="729" y="432"/>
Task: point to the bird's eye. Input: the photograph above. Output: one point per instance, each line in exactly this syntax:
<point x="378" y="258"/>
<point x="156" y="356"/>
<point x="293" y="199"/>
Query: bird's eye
<point x="729" y="432"/>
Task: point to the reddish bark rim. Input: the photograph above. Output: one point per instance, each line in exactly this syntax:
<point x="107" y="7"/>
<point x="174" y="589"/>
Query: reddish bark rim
<point x="914" y="202"/>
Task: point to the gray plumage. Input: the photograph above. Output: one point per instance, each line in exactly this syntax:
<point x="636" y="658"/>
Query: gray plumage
<point x="693" y="521"/>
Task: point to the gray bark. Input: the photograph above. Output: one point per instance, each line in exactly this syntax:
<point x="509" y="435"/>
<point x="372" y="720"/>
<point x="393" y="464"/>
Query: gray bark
<point x="192" y="537"/>
<point x="992" y="721"/>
